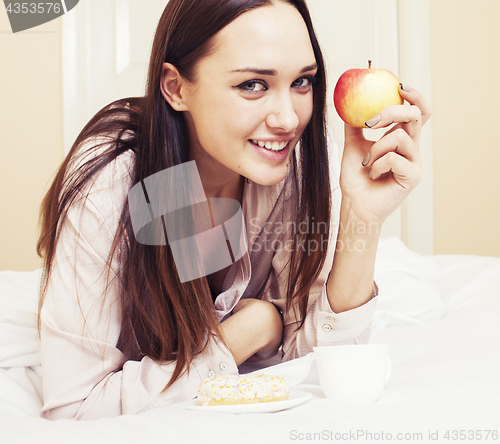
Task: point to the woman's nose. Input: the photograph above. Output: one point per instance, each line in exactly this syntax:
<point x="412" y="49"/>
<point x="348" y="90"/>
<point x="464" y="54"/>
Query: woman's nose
<point x="283" y="115"/>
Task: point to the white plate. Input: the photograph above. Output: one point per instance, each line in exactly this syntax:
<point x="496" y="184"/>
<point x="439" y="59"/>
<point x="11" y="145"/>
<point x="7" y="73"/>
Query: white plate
<point x="295" y="398"/>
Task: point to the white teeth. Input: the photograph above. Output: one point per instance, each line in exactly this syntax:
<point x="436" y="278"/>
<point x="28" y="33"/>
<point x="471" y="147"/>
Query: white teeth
<point x="274" y="146"/>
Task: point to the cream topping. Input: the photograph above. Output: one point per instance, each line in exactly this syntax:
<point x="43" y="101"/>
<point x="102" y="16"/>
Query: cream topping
<point x="242" y="388"/>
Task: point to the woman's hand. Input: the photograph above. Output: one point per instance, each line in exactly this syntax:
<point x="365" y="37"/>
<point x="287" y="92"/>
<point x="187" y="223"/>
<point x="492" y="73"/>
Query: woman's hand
<point x="377" y="176"/>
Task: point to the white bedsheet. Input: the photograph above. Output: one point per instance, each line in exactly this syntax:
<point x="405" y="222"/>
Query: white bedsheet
<point x="440" y="316"/>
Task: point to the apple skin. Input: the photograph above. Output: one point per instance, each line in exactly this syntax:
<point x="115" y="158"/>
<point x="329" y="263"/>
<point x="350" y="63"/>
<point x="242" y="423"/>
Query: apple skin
<point x="361" y="94"/>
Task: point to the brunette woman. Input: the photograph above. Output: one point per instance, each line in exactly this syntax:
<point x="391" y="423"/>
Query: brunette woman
<point x="238" y="87"/>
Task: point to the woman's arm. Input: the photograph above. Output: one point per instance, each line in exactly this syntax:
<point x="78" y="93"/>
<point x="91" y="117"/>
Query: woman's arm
<point x="375" y="179"/>
<point x="350" y="283"/>
<point x="254" y="331"/>
<point x="322" y="326"/>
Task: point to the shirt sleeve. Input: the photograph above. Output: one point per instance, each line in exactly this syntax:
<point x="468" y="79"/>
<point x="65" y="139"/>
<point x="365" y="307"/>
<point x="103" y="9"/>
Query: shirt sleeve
<point x="323" y="326"/>
<point x="85" y="375"/>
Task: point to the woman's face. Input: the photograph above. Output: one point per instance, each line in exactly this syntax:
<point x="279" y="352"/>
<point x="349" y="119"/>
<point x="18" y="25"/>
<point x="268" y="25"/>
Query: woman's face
<point x="255" y="89"/>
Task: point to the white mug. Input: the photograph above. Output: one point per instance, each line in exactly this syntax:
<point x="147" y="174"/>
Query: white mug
<point x="353" y="373"/>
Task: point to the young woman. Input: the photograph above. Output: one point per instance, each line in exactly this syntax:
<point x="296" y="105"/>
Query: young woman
<point x="238" y="87"/>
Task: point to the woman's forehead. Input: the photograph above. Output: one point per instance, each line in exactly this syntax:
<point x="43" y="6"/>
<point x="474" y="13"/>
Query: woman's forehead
<point x="267" y="38"/>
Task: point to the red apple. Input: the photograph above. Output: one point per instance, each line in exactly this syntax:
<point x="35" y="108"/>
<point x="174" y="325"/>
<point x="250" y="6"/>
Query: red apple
<point x="361" y="94"/>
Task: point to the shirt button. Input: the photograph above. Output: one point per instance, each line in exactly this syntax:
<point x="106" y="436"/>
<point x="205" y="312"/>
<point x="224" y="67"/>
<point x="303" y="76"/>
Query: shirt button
<point x="223" y="366"/>
<point x="327" y="327"/>
<point x="331" y="319"/>
<point x="211" y="374"/>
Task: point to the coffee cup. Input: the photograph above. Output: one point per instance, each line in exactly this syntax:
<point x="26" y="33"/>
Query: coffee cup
<point x="353" y="373"/>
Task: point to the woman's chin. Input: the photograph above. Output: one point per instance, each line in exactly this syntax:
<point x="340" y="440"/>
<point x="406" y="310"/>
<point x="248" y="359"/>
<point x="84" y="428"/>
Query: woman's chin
<point x="268" y="179"/>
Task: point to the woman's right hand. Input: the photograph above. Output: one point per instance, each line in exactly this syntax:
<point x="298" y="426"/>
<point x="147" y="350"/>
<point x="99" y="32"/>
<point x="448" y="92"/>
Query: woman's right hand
<point x="254" y="331"/>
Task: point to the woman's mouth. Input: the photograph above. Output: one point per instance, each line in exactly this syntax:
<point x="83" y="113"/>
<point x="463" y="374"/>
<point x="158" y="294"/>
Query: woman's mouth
<point x="271" y="151"/>
<point x="272" y="146"/>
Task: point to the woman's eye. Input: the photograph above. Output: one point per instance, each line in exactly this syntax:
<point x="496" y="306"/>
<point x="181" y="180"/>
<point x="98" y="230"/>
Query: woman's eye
<point x="257" y="86"/>
<point x="304" y="82"/>
<point x="253" y="86"/>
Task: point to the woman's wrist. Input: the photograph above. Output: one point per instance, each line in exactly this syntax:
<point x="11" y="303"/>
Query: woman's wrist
<point x="350" y="283"/>
<point x="358" y="223"/>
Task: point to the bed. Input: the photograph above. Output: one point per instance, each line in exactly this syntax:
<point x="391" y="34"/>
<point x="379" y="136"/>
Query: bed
<point x="439" y="314"/>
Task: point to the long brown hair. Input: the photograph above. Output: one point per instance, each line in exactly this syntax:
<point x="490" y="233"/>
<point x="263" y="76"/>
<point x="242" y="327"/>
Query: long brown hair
<point x="171" y="320"/>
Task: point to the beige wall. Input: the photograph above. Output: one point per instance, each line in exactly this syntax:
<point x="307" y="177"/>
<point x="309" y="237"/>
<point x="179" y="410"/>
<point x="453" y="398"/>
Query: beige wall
<point x="465" y="76"/>
<point x="465" y="67"/>
<point x="31" y="144"/>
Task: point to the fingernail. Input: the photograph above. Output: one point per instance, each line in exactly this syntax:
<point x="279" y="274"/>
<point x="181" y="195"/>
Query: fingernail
<point x="366" y="160"/>
<point x="405" y="87"/>
<point x="371" y="177"/>
<point x="373" y="121"/>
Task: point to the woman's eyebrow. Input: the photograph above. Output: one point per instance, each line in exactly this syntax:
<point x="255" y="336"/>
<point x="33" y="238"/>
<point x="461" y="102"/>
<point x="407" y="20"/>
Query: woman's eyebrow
<point x="273" y="72"/>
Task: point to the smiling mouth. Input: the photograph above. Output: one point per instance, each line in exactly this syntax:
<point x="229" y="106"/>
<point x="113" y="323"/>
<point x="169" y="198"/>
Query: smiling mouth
<point x="271" y="146"/>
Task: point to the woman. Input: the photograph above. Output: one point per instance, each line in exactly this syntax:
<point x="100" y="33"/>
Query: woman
<point x="233" y="86"/>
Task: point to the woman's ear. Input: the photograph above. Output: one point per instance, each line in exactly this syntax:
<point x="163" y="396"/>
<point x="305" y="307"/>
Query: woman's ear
<point x="172" y="87"/>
